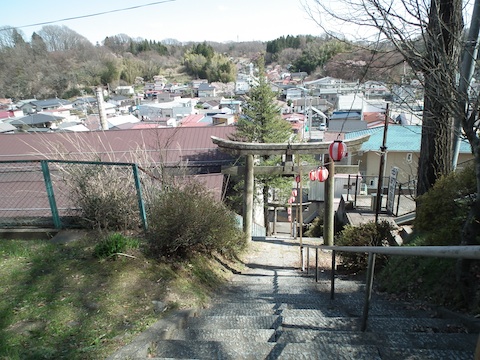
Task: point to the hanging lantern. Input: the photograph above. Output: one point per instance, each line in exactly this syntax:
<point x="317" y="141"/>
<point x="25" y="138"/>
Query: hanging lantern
<point x="289" y="211"/>
<point x="294" y="193"/>
<point x="337" y="150"/>
<point x="291" y="200"/>
<point x="297" y="179"/>
<point x="322" y="173"/>
<point x="289" y="218"/>
<point x="312" y="175"/>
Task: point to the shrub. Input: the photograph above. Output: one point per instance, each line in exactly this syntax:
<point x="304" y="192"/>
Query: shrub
<point x="442" y="211"/>
<point x="315" y="229"/>
<point x="368" y="234"/>
<point x="114" y="244"/>
<point x="187" y="219"/>
<point x="106" y="196"/>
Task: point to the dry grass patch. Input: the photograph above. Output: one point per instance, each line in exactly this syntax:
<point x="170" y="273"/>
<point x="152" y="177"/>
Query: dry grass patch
<point x="59" y="301"/>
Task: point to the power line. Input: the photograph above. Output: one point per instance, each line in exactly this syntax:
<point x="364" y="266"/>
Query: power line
<point x="89" y="15"/>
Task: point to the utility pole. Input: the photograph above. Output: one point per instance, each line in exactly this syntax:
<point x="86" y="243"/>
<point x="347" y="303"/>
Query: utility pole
<point x="383" y="149"/>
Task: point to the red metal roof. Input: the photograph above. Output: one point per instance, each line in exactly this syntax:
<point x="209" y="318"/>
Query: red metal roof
<point x="167" y="145"/>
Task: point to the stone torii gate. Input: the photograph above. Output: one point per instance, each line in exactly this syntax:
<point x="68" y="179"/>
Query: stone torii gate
<point x="288" y="168"/>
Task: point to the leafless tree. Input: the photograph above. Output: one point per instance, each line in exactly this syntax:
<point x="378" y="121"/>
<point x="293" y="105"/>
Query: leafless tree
<point x="61" y="38"/>
<point x="429" y="37"/>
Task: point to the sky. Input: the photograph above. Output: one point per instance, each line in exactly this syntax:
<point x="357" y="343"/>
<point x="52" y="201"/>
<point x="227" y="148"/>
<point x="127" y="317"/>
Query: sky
<point x="183" y="20"/>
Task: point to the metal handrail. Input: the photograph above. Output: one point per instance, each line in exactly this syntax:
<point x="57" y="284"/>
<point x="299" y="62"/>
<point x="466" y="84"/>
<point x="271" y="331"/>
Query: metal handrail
<point x="455" y="252"/>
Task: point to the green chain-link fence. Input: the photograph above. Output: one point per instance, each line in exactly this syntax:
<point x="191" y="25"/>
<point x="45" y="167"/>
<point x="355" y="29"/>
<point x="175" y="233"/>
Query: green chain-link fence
<point x="47" y="192"/>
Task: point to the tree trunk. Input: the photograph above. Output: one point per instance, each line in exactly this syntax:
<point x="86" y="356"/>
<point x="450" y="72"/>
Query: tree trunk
<point x="439" y="68"/>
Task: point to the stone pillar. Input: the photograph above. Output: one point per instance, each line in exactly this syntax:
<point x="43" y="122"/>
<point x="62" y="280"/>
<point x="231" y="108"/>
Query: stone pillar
<point x="248" y="200"/>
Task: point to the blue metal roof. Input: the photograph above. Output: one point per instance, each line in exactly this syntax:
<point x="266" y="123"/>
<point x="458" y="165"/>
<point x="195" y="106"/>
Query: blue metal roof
<point x="399" y="138"/>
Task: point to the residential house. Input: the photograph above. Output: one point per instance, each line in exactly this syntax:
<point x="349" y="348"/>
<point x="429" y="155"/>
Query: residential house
<point x="196" y="120"/>
<point x="195" y="84"/>
<point x="223" y="119"/>
<point x="313" y="106"/>
<point x="297" y="121"/>
<point x="34" y="106"/>
<point x="234" y="105"/>
<point x="71" y="127"/>
<point x="114" y="122"/>
<point x="87" y="105"/>
<point x="298" y="77"/>
<point x="242" y="86"/>
<point x="173" y="110"/>
<point x="124" y="90"/>
<point x="330" y="88"/>
<point x="37" y="122"/>
<point x="295" y="93"/>
<point x="7" y="128"/>
<point x="403" y="151"/>
<point x="205" y="90"/>
<point x="348" y="114"/>
<point x="122" y="103"/>
<point x="6" y="114"/>
<point x="212" y="104"/>
<point x="61" y="112"/>
<point x="375" y="90"/>
<point x="178" y="89"/>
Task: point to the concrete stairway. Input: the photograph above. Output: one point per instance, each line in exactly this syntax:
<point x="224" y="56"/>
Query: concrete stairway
<point x="273" y="312"/>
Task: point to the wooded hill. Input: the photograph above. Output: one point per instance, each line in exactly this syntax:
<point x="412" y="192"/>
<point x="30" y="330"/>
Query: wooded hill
<point x="58" y="62"/>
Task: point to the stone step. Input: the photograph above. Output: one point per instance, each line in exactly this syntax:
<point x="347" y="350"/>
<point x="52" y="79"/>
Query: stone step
<point x="374" y="324"/>
<point x="439" y="341"/>
<point x="355" y="309"/>
<point x="238" y="335"/>
<point x="231" y="350"/>
<point x="234" y="322"/>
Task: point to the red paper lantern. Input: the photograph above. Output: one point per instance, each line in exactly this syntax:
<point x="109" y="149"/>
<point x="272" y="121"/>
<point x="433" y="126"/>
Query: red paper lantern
<point x="289" y="211"/>
<point x="294" y="192"/>
<point x="290" y="218"/>
<point x="297" y="178"/>
<point x="312" y="175"/>
<point x="337" y="150"/>
<point x="322" y="173"/>
<point x="291" y="200"/>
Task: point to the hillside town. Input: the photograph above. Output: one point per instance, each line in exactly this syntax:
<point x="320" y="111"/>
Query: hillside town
<point x="323" y="109"/>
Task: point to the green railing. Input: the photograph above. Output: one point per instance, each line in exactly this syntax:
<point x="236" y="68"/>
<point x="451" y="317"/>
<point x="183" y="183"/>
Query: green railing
<point x="38" y="192"/>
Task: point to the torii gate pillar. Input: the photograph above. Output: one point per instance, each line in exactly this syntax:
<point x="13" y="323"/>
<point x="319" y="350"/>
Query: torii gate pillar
<point x="248" y="198"/>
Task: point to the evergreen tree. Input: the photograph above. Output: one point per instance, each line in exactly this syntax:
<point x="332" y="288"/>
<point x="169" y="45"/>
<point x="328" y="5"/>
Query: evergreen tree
<point x="262" y="123"/>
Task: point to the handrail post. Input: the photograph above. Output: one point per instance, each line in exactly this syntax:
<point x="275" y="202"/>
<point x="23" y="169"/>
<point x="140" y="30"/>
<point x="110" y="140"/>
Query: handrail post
<point x="368" y="292"/>
<point x="308" y="258"/>
<point x="332" y="277"/>
<point x="316" y="264"/>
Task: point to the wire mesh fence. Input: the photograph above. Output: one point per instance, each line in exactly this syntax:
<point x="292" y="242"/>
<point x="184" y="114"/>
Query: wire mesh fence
<point x="62" y="194"/>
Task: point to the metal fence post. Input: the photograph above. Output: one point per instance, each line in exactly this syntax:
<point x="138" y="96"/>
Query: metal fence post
<point x="141" y="204"/>
<point x="368" y="292"/>
<point x="51" y="196"/>
<point x="332" y="277"/>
